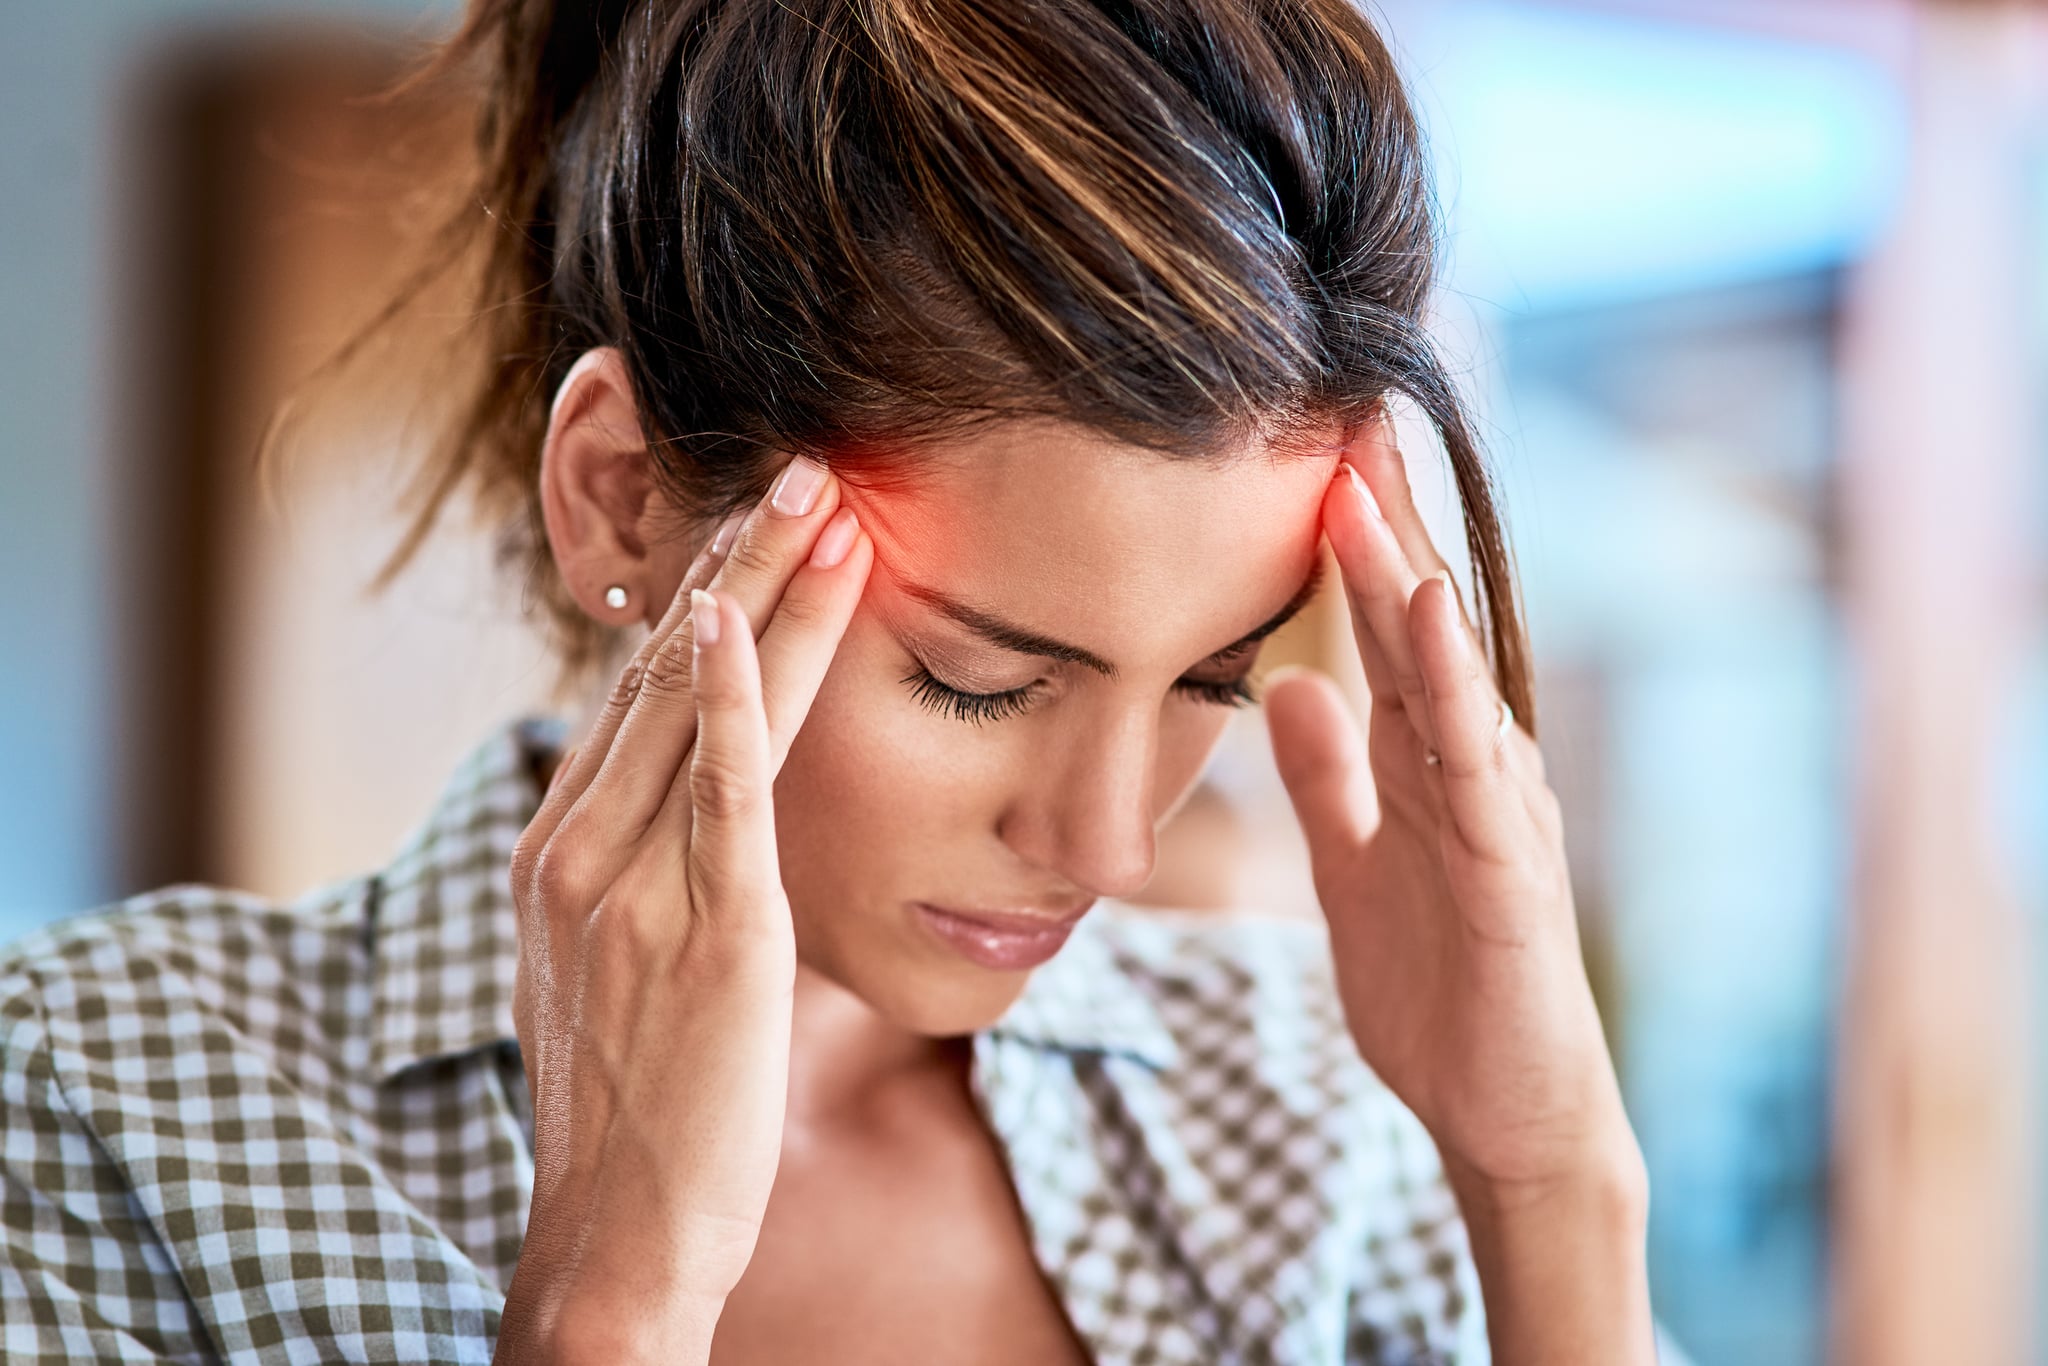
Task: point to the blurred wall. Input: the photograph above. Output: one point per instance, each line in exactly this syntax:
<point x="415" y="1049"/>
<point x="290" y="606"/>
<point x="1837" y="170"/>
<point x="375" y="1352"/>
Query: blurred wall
<point x="64" y="69"/>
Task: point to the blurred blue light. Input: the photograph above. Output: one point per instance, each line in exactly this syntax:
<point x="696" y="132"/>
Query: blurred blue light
<point x="1585" y="157"/>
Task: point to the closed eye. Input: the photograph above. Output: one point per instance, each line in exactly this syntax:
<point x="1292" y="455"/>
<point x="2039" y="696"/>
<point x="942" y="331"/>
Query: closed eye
<point x="977" y="707"/>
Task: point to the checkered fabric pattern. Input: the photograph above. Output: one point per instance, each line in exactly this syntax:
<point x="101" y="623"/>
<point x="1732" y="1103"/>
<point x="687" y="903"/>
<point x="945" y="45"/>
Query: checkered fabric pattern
<point x="234" y="1130"/>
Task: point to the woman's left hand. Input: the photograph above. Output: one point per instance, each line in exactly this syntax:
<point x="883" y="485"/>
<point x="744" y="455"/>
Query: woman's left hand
<point x="1445" y="885"/>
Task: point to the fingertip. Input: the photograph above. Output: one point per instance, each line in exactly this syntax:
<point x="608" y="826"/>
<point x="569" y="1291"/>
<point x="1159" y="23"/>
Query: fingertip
<point x="1448" y="610"/>
<point x="705" y="618"/>
<point x="1284" y="673"/>
<point x="1318" y="753"/>
<point x="1346" y="520"/>
<point x="1452" y="611"/>
<point x="1362" y="494"/>
<point x="850" y="567"/>
<point x="835" y="542"/>
<point x="1453" y="604"/>
<point x="1300" y="701"/>
<point x="1338" y="489"/>
<point x="1276" y="689"/>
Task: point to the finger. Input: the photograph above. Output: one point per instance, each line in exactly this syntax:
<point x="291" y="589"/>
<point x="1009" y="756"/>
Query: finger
<point x="1378" y="459"/>
<point x="1339" y="507"/>
<point x="1380" y="463"/>
<point x="797" y="648"/>
<point x="652" y="743"/>
<point x="776" y="538"/>
<point x="734" y="877"/>
<point x="1378" y="583"/>
<point x="579" y="768"/>
<point x="1481" y="789"/>
<point x="1322" y="761"/>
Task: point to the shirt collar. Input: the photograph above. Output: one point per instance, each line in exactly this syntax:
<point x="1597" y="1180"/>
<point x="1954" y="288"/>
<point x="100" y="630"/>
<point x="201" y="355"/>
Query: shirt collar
<point x="444" y="930"/>
<point x="1093" y="996"/>
<point x="445" y="942"/>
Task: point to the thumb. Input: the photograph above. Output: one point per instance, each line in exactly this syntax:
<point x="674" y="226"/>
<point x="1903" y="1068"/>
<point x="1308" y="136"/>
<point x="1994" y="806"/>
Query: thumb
<point x="1322" y="760"/>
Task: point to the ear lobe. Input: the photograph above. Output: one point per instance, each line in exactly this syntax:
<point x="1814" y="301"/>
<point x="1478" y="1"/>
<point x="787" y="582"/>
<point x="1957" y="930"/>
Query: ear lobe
<point x="595" y="482"/>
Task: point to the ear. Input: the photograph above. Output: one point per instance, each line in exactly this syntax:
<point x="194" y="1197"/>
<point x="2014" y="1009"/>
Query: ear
<point x="605" y="517"/>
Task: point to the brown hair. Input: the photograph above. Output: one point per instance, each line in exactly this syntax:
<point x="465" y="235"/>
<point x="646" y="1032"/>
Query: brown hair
<point x="845" y="227"/>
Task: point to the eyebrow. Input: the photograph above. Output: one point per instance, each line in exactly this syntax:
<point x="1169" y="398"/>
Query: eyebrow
<point x="1010" y="636"/>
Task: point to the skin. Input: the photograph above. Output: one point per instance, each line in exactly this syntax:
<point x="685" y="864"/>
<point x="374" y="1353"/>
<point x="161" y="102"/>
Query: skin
<point x="782" y="797"/>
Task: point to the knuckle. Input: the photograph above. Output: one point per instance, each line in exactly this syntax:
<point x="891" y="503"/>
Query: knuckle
<point x="1386" y="602"/>
<point x="561" y="878"/>
<point x="626" y="686"/>
<point x="720" y="790"/>
<point x="755" y="553"/>
<point x="668" y="670"/>
<point x="1488" y="768"/>
<point x="722" y="694"/>
<point x="805" y="611"/>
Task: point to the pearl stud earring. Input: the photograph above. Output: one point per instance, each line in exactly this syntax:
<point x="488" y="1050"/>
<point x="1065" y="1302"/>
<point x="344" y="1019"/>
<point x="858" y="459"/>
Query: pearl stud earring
<point x="615" y="596"/>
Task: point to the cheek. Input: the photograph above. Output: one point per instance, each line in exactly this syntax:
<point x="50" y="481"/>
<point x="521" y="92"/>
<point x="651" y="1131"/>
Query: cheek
<point x="872" y="779"/>
<point x="1188" y="734"/>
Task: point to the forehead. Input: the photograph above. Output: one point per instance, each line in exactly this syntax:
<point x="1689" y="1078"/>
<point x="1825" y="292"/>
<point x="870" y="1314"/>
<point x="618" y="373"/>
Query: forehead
<point x="1113" y="547"/>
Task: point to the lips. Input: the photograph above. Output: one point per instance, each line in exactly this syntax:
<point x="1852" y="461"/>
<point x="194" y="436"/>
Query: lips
<point x="1018" y="921"/>
<point x="1006" y="940"/>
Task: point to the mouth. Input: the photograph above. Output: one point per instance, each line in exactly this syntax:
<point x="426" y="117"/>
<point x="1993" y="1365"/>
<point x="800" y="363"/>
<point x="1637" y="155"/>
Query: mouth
<point x="1003" y="940"/>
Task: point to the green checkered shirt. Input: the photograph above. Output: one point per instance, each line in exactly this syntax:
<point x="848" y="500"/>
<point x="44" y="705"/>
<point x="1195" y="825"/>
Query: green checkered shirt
<point x="237" y="1130"/>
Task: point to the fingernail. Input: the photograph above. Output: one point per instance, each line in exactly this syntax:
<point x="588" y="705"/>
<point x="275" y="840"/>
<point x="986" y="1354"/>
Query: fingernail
<point x="704" y="617"/>
<point x="1457" y="608"/>
<point x="796" y="489"/>
<point x="721" y="540"/>
<point x="1372" y="504"/>
<point x="836" y="540"/>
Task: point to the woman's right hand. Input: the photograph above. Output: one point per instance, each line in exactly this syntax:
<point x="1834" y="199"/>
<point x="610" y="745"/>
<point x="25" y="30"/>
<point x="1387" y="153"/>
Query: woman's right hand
<point x="657" y="958"/>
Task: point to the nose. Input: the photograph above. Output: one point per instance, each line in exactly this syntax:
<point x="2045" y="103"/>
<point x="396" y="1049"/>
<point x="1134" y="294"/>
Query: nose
<point x="1087" y="814"/>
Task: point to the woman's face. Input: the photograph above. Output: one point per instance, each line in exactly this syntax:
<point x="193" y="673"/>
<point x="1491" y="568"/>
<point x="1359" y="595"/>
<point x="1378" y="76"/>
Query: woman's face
<point x="1098" y="587"/>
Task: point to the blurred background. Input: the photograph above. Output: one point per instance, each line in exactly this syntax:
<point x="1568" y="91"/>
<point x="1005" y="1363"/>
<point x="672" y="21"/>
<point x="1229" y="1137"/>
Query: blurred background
<point x="1749" y="296"/>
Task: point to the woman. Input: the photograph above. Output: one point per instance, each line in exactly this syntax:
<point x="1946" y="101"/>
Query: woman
<point x="957" y="393"/>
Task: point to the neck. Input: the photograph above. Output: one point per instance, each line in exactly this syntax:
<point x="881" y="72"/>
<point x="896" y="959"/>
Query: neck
<point x="843" y="1055"/>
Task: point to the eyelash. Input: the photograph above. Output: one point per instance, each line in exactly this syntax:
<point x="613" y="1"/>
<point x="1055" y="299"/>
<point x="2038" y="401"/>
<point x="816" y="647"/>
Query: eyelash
<point x="977" y="707"/>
